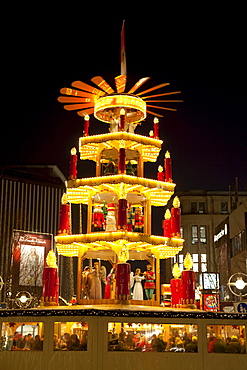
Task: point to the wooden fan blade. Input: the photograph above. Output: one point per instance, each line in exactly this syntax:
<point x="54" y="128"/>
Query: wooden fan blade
<point x="138" y="84"/>
<point x="154" y="106"/>
<point x="153" y="88"/>
<point x="83" y="94"/>
<point x="154" y="96"/>
<point x="71" y="99"/>
<point x="164" y="101"/>
<point x="99" y="81"/>
<point x="86" y="87"/>
<point x="154" y="114"/>
<point x="78" y="106"/>
<point x="120" y="82"/>
<point x="82" y="113"/>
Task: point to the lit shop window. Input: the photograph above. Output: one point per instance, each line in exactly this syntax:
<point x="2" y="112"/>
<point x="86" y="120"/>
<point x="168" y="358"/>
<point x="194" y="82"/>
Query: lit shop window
<point x="144" y="337"/>
<point x="226" y="339"/>
<point x="203" y="238"/>
<point x="70" y="336"/>
<point x="203" y="262"/>
<point x="201" y="207"/>
<point x="194" y="234"/>
<point x="22" y="336"/>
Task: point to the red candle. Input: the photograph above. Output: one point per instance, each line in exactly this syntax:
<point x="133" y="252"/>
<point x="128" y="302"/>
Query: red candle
<point x="167" y="227"/>
<point x="160" y="174"/>
<point x="86" y="125"/>
<point x="50" y="287"/>
<point x="156" y="128"/>
<point x="176" y="218"/>
<point x="188" y="287"/>
<point x="122" y="213"/>
<point x="123" y="281"/>
<point x="64" y="220"/>
<point x="168" y="167"/>
<point x="121" y="162"/>
<point x="176" y="290"/>
<point x="151" y="134"/>
<point x="73" y="165"/>
<point x="122" y="119"/>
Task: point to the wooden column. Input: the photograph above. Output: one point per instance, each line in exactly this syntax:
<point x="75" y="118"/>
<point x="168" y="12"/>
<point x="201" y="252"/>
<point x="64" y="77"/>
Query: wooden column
<point x="89" y="215"/>
<point x="98" y="164"/>
<point x="140" y="168"/>
<point x="157" y="283"/>
<point x="148" y="216"/>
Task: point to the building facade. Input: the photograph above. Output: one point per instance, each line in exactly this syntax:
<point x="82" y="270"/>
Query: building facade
<point x="231" y="246"/>
<point x="30" y="199"/>
<point x="202" y="211"/>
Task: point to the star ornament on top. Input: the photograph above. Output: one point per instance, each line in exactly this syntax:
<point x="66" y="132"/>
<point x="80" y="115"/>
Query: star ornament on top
<point x="105" y="103"/>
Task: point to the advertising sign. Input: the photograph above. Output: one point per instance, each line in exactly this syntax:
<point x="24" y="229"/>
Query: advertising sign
<point x="29" y="252"/>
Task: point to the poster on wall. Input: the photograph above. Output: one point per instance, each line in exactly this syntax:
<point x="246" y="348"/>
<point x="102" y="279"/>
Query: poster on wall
<point x="210" y="302"/>
<point x="29" y="252"/>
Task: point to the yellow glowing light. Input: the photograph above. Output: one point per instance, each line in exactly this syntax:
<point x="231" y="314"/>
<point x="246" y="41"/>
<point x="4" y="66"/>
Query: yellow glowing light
<point x="73" y="151"/>
<point x="156" y="120"/>
<point x="122" y="112"/>
<point x="91" y="146"/>
<point x="86" y="117"/>
<point x="121" y="242"/>
<point x="188" y="262"/>
<point x="104" y="108"/>
<point x="167" y="214"/>
<point x="160" y="168"/>
<point x="167" y="155"/>
<point x="51" y="259"/>
<point x="64" y="199"/>
<point x="81" y="190"/>
<point x="176" y="271"/>
<point x="176" y="202"/>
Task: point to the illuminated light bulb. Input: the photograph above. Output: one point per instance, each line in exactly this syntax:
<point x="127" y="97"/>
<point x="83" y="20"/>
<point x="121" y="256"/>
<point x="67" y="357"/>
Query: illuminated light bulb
<point x="240" y="284"/>
<point x="167" y="155"/>
<point x="51" y="259"/>
<point x="64" y="199"/>
<point x="156" y="120"/>
<point x="188" y="262"/>
<point x="160" y="168"/>
<point x="167" y="214"/>
<point x="176" y="271"/>
<point x="86" y="117"/>
<point x="23" y="299"/>
<point x="176" y="202"/>
<point x="122" y="111"/>
<point x="73" y="151"/>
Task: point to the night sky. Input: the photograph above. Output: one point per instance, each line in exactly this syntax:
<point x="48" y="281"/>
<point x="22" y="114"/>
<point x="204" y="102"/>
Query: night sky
<point x="203" y="56"/>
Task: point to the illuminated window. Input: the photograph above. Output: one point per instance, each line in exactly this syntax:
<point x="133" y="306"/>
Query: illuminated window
<point x="203" y="238"/>
<point x="182" y="231"/>
<point x="146" y="337"/>
<point x="70" y="336"/>
<point x="226" y="339"/>
<point x="203" y="262"/>
<point x="27" y="336"/>
<point x="194" y="234"/>
<point x="201" y="207"/>
<point x="181" y="262"/>
<point x="195" y="262"/>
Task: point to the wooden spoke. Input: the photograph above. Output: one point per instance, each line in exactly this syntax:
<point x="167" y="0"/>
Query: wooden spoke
<point x="99" y="81"/>
<point x="153" y="88"/>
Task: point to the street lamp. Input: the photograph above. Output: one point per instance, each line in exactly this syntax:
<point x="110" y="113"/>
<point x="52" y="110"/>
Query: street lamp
<point x="236" y="280"/>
